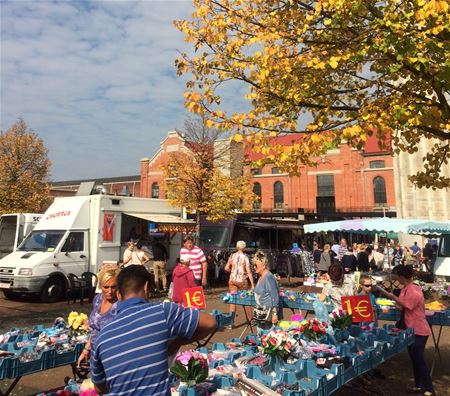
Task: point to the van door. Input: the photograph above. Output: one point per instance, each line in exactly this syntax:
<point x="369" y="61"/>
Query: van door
<point x="73" y="257"/>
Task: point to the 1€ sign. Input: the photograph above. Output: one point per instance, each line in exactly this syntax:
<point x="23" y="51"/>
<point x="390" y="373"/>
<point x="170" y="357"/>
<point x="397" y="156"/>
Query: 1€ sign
<point x="194" y="298"/>
<point x="359" y="307"/>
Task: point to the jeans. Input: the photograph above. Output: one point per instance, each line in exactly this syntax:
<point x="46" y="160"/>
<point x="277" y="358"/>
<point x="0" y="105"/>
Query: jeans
<point x="416" y="352"/>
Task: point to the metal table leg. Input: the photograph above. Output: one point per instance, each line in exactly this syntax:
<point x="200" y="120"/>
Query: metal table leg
<point x="437" y="351"/>
<point x="11" y="387"/>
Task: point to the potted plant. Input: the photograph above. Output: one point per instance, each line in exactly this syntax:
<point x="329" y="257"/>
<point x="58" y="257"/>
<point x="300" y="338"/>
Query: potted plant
<point x="277" y="345"/>
<point x="312" y="329"/>
<point x="78" y="324"/>
<point x="340" y="321"/>
<point x="190" y="367"/>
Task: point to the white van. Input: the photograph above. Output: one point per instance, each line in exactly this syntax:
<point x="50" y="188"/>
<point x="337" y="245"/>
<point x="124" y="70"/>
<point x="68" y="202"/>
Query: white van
<point x="14" y="227"/>
<point x="442" y="264"/>
<point x="76" y="234"/>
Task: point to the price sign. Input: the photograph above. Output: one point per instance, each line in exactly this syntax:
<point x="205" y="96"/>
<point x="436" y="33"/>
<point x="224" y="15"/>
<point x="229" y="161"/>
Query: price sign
<point x="359" y="307"/>
<point x="194" y="298"/>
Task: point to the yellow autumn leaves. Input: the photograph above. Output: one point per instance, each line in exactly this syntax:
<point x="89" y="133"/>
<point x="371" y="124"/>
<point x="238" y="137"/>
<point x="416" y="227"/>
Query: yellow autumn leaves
<point x="354" y="67"/>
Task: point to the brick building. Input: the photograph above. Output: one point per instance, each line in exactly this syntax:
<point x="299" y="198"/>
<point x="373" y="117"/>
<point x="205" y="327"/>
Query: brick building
<point x="345" y="180"/>
<point x="151" y="172"/>
<point x="112" y="185"/>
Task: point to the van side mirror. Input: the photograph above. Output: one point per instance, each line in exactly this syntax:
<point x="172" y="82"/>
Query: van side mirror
<point x="66" y="254"/>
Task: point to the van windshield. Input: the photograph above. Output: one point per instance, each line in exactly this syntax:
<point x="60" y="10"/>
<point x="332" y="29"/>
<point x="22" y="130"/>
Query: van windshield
<point x="444" y="245"/>
<point x="41" y="241"/>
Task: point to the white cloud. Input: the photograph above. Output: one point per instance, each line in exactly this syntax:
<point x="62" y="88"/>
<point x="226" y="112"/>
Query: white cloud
<point x="95" y="79"/>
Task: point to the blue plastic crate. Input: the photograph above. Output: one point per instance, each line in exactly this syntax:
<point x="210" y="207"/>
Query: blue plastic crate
<point x="222" y="319"/>
<point x="5" y="365"/>
<point x="44" y="361"/>
<point x="376" y="355"/>
<point x="254" y="372"/>
<point x="67" y="357"/>
<point x="197" y="390"/>
<point x="223" y="381"/>
<point x="392" y="314"/>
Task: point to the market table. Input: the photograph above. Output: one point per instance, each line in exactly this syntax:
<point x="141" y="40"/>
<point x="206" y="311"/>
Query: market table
<point x="434" y="318"/>
<point x="56" y="355"/>
<point x="365" y="350"/>
<point x="288" y="299"/>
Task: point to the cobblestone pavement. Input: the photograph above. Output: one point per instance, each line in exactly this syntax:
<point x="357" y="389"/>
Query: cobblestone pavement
<point x="29" y="311"/>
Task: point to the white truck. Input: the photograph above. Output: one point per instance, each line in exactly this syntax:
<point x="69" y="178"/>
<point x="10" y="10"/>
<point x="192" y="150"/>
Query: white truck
<point x="77" y="234"/>
<point x="441" y="266"/>
<point x="14" y="227"/>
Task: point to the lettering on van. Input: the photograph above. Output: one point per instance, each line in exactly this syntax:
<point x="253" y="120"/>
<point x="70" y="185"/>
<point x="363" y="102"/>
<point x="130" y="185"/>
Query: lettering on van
<point x="58" y="214"/>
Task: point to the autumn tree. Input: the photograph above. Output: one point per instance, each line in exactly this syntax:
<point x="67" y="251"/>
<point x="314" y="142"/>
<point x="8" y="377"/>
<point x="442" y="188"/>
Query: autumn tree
<point x="195" y="179"/>
<point x="24" y="170"/>
<point x="354" y="67"/>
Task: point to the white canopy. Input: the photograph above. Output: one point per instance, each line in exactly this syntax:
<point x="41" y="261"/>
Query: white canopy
<point x="382" y="224"/>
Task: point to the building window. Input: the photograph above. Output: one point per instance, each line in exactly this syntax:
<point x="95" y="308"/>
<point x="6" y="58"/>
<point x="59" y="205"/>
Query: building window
<point x="377" y="164"/>
<point x="278" y="196"/>
<point x="256" y="171"/>
<point x="379" y="191"/>
<point x="257" y="191"/>
<point x="276" y="170"/>
<point x="155" y="190"/>
<point x="325" y="186"/>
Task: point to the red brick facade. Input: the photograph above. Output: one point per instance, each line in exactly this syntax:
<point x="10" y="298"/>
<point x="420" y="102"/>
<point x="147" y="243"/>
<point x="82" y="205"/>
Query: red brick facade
<point x="352" y="173"/>
<point x="151" y="172"/>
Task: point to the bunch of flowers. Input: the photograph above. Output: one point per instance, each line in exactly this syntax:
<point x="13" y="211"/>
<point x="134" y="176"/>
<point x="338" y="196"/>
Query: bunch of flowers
<point x="312" y="329"/>
<point x="190" y="367"/>
<point x="340" y="319"/>
<point x="78" y="323"/>
<point x="277" y="343"/>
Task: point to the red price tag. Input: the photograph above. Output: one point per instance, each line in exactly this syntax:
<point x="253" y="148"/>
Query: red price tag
<point x="360" y="307"/>
<point x="194" y="298"/>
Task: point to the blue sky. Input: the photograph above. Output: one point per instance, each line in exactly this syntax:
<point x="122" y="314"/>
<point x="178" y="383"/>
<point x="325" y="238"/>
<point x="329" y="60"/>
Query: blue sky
<point x="95" y="79"/>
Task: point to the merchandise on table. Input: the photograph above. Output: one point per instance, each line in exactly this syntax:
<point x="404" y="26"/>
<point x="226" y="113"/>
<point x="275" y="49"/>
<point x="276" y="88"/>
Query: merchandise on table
<point x="283" y="362"/>
<point x="26" y="351"/>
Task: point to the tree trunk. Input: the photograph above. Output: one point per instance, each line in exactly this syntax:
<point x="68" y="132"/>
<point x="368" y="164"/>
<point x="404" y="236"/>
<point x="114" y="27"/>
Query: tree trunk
<point x="197" y="227"/>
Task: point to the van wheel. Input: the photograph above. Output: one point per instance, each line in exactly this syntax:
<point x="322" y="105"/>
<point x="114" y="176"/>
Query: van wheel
<point x="10" y="295"/>
<point x="52" y="290"/>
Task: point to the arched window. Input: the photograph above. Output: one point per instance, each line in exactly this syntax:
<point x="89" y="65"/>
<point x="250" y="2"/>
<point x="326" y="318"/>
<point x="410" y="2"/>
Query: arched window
<point x="379" y="191"/>
<point x="257" y="191"/>
<point x="278" y="197"/>
<point x="155" y="190"/>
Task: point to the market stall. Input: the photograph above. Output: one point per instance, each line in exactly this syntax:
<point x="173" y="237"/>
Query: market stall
<point x="27" y="351"/>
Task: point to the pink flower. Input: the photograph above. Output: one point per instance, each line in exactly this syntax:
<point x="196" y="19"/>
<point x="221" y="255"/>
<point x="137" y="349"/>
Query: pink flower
<point x="184" y="358"/>
<point x="296" y="318"/>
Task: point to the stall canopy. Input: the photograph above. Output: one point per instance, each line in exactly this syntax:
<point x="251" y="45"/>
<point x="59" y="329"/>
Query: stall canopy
<point x="431" y="227"/>
<point x="166" y="222"/>
<point x="381" y="224"/>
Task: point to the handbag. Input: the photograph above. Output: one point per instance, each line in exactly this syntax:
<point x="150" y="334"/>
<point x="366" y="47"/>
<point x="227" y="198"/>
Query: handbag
<point x="262" y="314"/>
<point x="401" y="324"/>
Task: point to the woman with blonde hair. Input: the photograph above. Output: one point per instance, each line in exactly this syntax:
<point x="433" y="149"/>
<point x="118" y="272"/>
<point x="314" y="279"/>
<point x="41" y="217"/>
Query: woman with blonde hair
<point x="238" y="266"/>
<point x="104" y="308"/>
<point x="267" y="291"/>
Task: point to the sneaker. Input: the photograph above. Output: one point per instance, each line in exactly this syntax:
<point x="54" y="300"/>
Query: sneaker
<point x="229" y="327"/>
<point x="413" y="390"/>
<point x="428" y="393"/>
